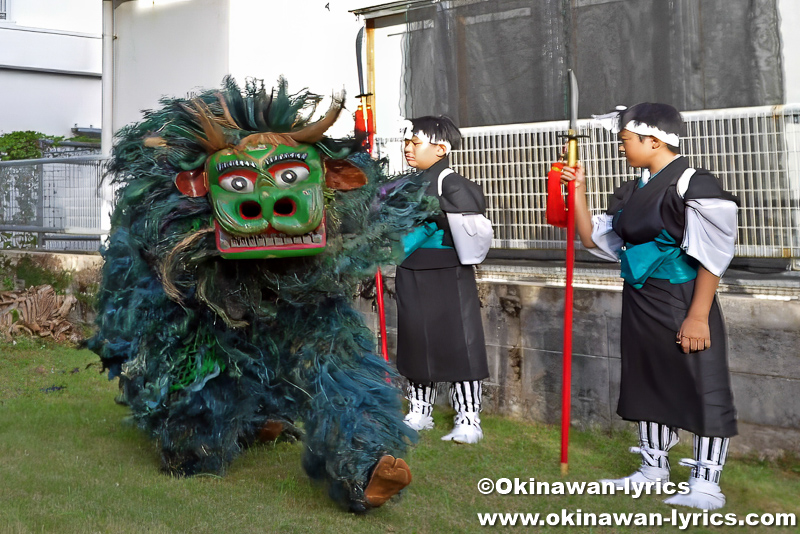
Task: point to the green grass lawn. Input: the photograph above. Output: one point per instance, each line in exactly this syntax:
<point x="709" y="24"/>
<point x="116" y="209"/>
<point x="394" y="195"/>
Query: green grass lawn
<point x="70" y="462"/>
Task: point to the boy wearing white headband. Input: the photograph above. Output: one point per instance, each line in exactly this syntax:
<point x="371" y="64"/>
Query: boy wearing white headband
<point x="674" y="230"/>
<point x="439" y="328"/>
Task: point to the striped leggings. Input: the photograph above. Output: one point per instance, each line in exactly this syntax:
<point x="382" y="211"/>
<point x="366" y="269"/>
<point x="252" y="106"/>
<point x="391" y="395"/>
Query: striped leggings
<point x="709" y="452"/>
<point x="464" y="396"/>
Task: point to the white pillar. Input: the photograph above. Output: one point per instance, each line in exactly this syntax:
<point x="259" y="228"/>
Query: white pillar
<point x="108" y="77"/>
<point x="789" y="11"/>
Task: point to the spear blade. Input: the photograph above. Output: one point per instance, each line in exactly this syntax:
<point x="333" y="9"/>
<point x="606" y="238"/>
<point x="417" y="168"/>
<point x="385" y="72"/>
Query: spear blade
<point x="362" y="88"/>
<point x="572" y="89"/>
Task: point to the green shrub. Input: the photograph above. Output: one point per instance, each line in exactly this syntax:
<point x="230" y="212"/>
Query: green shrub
<point x="7" y="273"/>
<point x="23" y="145"/>
<point x="42" y="270"/>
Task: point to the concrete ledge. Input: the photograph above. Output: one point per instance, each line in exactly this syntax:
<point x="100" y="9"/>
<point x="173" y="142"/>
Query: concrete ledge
<point x="67" y="262"/>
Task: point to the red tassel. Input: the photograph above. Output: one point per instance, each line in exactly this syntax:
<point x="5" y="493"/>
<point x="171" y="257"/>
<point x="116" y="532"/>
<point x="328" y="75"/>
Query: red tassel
<point x="556" y="209"/>
<point x="365" y="125"/>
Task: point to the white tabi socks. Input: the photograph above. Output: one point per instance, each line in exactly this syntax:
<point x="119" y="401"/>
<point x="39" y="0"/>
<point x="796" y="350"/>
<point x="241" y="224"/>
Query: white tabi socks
<point x="704" y="491"/>
<point x="420" y="406"/>
<point x="466" y="399"/>
<point x="655" y="441"/>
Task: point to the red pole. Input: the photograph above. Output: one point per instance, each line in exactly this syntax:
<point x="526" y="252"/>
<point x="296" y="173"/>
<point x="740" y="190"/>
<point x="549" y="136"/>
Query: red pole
<point x="566" y="380"/>
<point x="381" y="314"/>
<point x="365" y="123"/>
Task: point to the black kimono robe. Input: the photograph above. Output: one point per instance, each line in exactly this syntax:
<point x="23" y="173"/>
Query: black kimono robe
<point x="660" y="383"/>
<point x="439" y="327"/>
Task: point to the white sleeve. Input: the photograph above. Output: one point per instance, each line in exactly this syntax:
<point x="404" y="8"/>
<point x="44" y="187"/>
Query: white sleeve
<point x="710" y="234"/>
<point x="607" y="241"/>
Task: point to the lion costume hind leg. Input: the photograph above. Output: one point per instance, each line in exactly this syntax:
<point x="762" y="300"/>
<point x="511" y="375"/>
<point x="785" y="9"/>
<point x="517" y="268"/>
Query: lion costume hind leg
<point x="351" y="413"/>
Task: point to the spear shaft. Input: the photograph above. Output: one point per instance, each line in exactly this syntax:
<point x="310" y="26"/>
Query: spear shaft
<point x="566" y="380"/>
<point x="365" y="123"/>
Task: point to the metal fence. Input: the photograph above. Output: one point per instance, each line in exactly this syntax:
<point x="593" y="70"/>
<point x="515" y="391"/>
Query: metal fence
<point x="57" y="204"/>
<point x="754" y="151"/>
<point x="62" y="204"/>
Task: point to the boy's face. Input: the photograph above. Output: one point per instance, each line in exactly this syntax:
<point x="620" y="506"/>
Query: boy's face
<point x="636" y="151"/>
<point x="422" y="154"/>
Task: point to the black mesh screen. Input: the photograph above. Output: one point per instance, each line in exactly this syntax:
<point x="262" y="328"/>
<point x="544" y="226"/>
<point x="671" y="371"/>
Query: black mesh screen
<point x="505" y="61"/>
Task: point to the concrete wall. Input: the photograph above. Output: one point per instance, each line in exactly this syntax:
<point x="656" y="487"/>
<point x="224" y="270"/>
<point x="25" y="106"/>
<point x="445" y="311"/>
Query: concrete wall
<point x="63" y="261"/>
<point x="523" y="325"/>
<point x="50" y="66"/>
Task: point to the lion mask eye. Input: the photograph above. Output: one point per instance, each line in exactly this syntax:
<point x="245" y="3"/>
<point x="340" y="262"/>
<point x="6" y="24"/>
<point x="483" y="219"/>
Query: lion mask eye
<point x="289" y="173"/>
<point x="236" y="184"/>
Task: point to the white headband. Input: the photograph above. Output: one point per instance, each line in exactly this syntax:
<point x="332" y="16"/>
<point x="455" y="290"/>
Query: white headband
<point x="645" y="129"/>
<point x="610" y="121"/>
<point x="407" y="128"/>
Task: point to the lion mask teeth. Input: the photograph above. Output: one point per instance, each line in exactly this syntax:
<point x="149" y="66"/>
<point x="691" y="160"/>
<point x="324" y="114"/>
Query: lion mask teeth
<point x="277" y="243"/>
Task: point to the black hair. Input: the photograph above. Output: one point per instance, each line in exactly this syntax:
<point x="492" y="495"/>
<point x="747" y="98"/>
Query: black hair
<point x="662" y="116"/>
<point x="441" y="128"/>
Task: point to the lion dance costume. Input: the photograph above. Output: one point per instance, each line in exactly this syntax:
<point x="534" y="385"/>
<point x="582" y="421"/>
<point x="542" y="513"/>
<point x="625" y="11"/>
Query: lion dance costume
<point x="239" y="238"/>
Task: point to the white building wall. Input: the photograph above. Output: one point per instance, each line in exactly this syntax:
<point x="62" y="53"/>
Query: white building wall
<point x="169" y="47"/>
<point x="81" y="16"/>
<point x="388" y="38"/>
<point x="48" y="103"/>
<point x="389" y="102"/>
<point x="50" y="66"/>
<point x="309" y="42"/>
<point x="166" y="49"/>
<point x="172" y="47"/>
<point x="50" y="50"/>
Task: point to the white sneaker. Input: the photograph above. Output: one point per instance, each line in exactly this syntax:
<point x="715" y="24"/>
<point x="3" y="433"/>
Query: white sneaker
<point x="703" y="495"/>
<point x="465" y="434"/>
<point x="418" y="421"/>
<point x="645" y="475"/>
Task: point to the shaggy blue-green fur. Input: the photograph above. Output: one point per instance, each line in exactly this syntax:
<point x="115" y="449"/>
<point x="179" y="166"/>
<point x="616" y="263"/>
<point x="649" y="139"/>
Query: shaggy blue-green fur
<point x="249" y="341"/>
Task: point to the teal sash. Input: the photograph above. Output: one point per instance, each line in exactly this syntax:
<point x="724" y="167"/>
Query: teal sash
<point x="661" y="258"/>
<point x="416" y="238"/>
<point x="425" y="236"/>
<point x="435" y="241"/>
